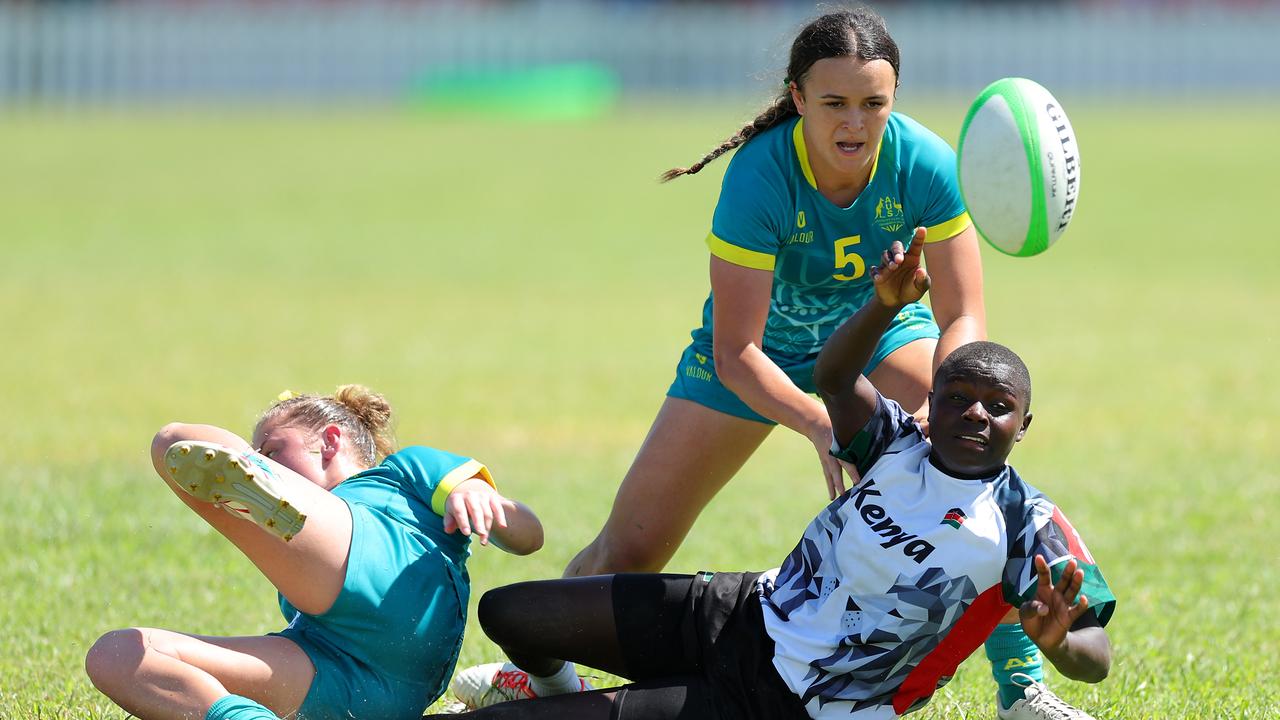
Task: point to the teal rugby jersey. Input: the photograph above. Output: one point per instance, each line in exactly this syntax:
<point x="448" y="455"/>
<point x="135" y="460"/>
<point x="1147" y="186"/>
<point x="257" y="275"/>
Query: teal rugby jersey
<point x="410" y="487"/>
<point x="770" y="216"/>
<point x="402" y="608"/>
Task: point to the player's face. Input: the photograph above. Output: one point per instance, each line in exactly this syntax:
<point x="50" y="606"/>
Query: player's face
<point x="293" y="448"/>
<point x="974" y="421"/>
<point x="846" y="104"/>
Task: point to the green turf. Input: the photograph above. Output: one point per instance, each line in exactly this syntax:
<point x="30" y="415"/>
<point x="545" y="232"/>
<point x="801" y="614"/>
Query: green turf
<point x="520" y="291"/>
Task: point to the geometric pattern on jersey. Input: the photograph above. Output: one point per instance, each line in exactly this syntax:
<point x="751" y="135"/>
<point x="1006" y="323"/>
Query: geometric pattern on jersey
<point x="875" y="663"/>
<point x="882" y="598"/>
<point x="771" y="216"/>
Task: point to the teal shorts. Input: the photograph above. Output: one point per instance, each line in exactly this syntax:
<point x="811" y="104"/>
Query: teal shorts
<point x="345" y="688"/>
<point x="387" y="647"/>
<point x="696" y="378"/>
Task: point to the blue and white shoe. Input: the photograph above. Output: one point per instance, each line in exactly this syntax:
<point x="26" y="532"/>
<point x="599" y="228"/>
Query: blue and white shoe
<point x="241" y="483"/>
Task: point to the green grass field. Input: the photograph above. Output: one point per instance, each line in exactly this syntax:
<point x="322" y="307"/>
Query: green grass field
<point x="521" y="292"/>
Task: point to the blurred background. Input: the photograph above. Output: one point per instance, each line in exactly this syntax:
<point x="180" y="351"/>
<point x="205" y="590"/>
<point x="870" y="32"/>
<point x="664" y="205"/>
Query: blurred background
<point x="81" y="52"/>
<point x="203" y="203"/>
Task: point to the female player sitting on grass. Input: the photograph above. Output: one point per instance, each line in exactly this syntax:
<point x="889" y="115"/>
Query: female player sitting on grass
<point x="369" y="560"/>
<point x="893" y="584"/>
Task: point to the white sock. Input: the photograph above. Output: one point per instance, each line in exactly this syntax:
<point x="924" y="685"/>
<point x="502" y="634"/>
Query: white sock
<point x="564" y="681"/>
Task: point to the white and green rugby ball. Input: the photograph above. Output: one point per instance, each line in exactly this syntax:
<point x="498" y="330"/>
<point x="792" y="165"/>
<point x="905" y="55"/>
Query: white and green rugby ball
<point x="1019" y="166"/>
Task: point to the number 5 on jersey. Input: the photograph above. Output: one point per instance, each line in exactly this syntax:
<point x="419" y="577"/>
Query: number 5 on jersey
<point x="844" y="259"/>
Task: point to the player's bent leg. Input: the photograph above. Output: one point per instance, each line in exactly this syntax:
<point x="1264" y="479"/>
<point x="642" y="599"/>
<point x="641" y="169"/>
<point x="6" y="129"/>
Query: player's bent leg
<point x="906" y="375"/>
<point x="1016" y="665"/>
<point x="309" y="569"/>
<point x="542" y="622"/>
<point x="241" y="483"/>
<point x="630" y="625"/>
<point x="540" y="625"/>
<point x="163" y="674"/>
<point x="690" y="453"/>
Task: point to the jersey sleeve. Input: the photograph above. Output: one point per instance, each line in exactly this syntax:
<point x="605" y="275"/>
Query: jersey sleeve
<point x="744" y="228"/>
<point x="1047" y="532"/>
<point x="890" y="429"/>
<point x="432" y="474"/>
<point x="937" y="188"/>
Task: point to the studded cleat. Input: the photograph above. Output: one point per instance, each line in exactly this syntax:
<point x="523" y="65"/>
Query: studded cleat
<point x="480" y="686"/>
<point x="241" y="483"/>
<point x="1038" y="703"/>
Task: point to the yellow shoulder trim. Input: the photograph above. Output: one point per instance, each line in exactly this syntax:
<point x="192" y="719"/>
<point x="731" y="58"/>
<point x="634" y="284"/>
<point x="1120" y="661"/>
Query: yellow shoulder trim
<point x="948" y="229"/>
<point x="739" y="256"/>
<point x="802" y="153"/>
<point x="465" y="471"/>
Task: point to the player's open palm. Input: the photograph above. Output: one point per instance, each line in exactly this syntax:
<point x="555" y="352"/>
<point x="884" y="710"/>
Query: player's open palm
<point x="1048" y="617"/>
<point x="898" y="278"/>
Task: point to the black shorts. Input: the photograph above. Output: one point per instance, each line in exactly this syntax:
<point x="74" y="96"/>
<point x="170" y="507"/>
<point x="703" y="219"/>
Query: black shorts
<point x="726" y="650"/>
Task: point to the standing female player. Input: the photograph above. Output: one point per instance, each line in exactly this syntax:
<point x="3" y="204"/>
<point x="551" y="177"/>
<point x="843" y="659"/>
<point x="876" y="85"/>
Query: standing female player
<point x="823" y="181"/>
<point x="369" y="560"/>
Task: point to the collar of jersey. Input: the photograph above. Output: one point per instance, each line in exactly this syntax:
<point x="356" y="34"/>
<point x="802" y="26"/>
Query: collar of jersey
<point x="802" y="154"/>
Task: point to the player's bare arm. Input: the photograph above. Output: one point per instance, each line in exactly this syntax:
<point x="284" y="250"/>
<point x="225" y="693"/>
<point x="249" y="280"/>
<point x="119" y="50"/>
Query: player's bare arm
<point x="955" y="269"/>
<point x="1058" y="622"/>
<point x="837" y="374"/>
<point x="475" y="507"/>
<point x="741" y="309"/>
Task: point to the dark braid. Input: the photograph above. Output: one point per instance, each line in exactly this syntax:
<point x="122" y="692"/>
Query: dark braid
<point x="781" y="109"/>
<point x="859" y="33"/>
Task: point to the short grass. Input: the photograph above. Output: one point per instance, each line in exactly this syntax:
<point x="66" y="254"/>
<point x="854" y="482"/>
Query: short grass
<point x="521" y="293"/>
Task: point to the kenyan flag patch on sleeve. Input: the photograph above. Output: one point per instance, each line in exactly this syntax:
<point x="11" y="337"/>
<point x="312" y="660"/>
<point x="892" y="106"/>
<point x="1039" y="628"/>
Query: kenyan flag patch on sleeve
<point x="955" y="517"/>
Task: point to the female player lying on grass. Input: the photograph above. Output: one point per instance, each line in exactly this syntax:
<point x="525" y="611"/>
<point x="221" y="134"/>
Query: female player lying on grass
<point x="893" y="584"/>
<point x="369" y="560"/>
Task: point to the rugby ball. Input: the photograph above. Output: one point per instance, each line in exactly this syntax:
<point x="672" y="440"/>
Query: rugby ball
<point x="1019" y="166"/>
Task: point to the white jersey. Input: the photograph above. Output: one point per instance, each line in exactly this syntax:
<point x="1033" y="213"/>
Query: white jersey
<point x="902" y="577"/>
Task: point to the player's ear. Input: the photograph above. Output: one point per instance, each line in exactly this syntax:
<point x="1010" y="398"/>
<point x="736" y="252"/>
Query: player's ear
<point x="797" y="97"/>
<point x="330" y="442"/>
<point x="1026" y="423"/>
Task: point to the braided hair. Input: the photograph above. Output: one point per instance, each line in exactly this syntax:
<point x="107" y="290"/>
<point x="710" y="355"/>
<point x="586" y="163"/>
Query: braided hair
<point x="859" y="33"/>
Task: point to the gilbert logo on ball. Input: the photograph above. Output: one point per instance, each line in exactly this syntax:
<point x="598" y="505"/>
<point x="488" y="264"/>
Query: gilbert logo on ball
<point x="1019" y="166"/>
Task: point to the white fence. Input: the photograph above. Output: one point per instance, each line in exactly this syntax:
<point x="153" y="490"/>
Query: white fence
<point x="107" y="53"/>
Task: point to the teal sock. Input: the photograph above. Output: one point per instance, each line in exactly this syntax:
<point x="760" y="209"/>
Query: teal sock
<point x="235" y="707"/>
<point x="1011" y="651"/>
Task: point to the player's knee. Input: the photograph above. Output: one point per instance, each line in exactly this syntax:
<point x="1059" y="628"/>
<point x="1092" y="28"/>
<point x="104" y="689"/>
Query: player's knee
<point x="114" y="658"/>
<point x="501" y="612"/>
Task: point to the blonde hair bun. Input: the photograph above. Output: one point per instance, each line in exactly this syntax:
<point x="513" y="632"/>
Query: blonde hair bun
<point x="372" y="410"/>
<point x="370" y="407"/>
<point x="363" y="413"/>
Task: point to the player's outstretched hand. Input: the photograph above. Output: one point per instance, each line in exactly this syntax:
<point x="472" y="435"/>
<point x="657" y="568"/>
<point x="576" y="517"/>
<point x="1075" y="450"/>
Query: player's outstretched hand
<point x="832" y="469"/>
<point x="898" y="278"/>
<point x="474" y="507"/>
<point x="1048" y="617"/>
